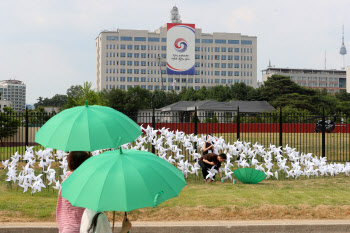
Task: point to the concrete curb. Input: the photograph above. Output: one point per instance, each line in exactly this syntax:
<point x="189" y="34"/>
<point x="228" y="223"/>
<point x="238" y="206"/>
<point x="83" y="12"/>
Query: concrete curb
<point x="283" y="226"/>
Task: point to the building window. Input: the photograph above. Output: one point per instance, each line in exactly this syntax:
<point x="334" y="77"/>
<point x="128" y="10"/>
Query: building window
<point x="163" y="47"/>
<point x="236" y="58"/>
<point x="223" y="57"/>
<point x="112" y="38"/>
<point x="129" y="79"/>
<point x="140" y="38"/>
<point x="233" y="41"/>
<point x="137" y="47"/>
<point x="122" y="46"/>
<point x="122" y="54"/>
<point x="230" y="73"/>
<point x="136" y="71"/>
<point x="230" y="49"/>
<point x="220" y="41"/>
<point x="122" y="79"/>
<point x="143" y="55"/>
<point x="143" y="47"/>
<point x="129" y="46"/>
<point x="163" y="39"/>
<point x="236" y="50"/>
<point x="236" y="73"/>
<point x="153" y="39"/>
<point x="223" y="81"/>
<point x="223" y="49"/>
<point x="223" y="65"/>
<point x="217" y="49"/>
<point x="126" y="38"/>
<point x="196" y="48"/>
<point x="207" y="41"/>
<point x="143" y="71"/>
<point x="246" y="42"/>
<point x="136" y="55"/>
<point x="223" y="73"/>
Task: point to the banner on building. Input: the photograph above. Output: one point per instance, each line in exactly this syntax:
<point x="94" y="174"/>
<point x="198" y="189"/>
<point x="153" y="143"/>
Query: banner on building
<point x="180" y="49"/>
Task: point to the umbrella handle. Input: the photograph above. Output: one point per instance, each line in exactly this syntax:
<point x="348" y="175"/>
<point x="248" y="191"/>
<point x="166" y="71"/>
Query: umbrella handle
<point x="117" y="144"/>
<point x="156" y="199"/>
<point x="126" y="215"/>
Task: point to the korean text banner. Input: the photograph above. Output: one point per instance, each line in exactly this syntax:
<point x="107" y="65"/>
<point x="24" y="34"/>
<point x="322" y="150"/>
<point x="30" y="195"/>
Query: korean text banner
<point x="180" y="49"/>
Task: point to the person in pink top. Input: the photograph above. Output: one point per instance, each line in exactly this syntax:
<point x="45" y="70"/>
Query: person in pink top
<point x="68" y="217"/>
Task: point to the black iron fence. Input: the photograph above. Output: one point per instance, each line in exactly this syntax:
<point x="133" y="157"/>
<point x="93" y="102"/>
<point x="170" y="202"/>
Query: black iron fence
<point x="323" y="135"/>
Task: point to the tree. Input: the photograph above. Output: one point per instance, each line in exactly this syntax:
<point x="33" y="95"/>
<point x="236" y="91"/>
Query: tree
<point x="278" y="85"/>
<point x="115" y="98"/>
<point x="39" y="103"/>
<point x="240" y="91"/>
<point x="137" y="98"/>
<point x="77" y="95"/>
<point x="9" y="123"/>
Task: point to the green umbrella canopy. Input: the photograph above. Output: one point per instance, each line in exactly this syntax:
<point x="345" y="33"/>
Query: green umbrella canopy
<point x="115" y="181"/>
<point x="249" y="175"/>
<point x="87" y="128"/>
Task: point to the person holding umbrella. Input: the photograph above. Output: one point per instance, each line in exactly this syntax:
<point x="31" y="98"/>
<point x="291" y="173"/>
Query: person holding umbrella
<point x="68" y="217"/>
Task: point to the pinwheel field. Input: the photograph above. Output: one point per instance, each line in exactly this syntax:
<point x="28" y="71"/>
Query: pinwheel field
<point x="297" y="185"/>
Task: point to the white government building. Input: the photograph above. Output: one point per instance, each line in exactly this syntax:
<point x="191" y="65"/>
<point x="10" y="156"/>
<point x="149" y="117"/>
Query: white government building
<point x="331" y="80"/>
<point x="13" y="93"/>
<point x="130" y="58"/>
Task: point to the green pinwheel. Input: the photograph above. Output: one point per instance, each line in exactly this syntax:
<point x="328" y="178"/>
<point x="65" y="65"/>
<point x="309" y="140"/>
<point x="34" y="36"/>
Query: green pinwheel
<point x="87" y="128"/>
<point x="249" y="175"/>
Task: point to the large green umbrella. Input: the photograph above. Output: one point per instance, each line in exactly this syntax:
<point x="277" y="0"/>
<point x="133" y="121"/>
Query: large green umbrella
<point x="122" y="181"/>
<point x="87" y="128"/>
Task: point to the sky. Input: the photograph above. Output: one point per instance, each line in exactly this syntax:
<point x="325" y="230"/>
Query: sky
<point x="50" y="44"/>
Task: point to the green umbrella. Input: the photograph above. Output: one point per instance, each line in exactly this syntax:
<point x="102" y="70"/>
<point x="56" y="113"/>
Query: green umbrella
<point x="87" y="128"/>
<point x="122" y="181"/>
<point x="249" y="175"/>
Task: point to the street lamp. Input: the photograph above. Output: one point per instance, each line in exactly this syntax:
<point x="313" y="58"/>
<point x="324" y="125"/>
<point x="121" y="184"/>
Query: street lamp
<point x="160" y="70"/>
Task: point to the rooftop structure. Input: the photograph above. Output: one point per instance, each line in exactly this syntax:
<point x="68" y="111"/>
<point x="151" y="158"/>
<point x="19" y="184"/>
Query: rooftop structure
<point x="331" y="80"/>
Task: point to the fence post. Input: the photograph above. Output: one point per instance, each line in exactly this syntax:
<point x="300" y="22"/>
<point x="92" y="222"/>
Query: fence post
<point x="281" y="130"/>
<point x="195" y="126"/>
<point x="153" y="126"/>
<point x="26" y="128"/>
<point x="238" y="124"/>
<point x="323" y="134"/>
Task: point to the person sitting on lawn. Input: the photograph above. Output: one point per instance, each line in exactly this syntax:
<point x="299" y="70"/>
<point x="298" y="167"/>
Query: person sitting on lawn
<point x="210" y="160"/>
<point x="68" y="217"/>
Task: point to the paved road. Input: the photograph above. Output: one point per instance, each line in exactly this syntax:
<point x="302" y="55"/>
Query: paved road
<point x="282" y="226"/>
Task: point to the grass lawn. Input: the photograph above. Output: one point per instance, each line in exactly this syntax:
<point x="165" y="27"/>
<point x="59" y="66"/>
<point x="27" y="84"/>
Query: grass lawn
<point x="271" y="199"/>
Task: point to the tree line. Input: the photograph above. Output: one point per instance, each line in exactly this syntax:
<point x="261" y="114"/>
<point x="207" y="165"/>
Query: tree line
<point x="278" y="90"/>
